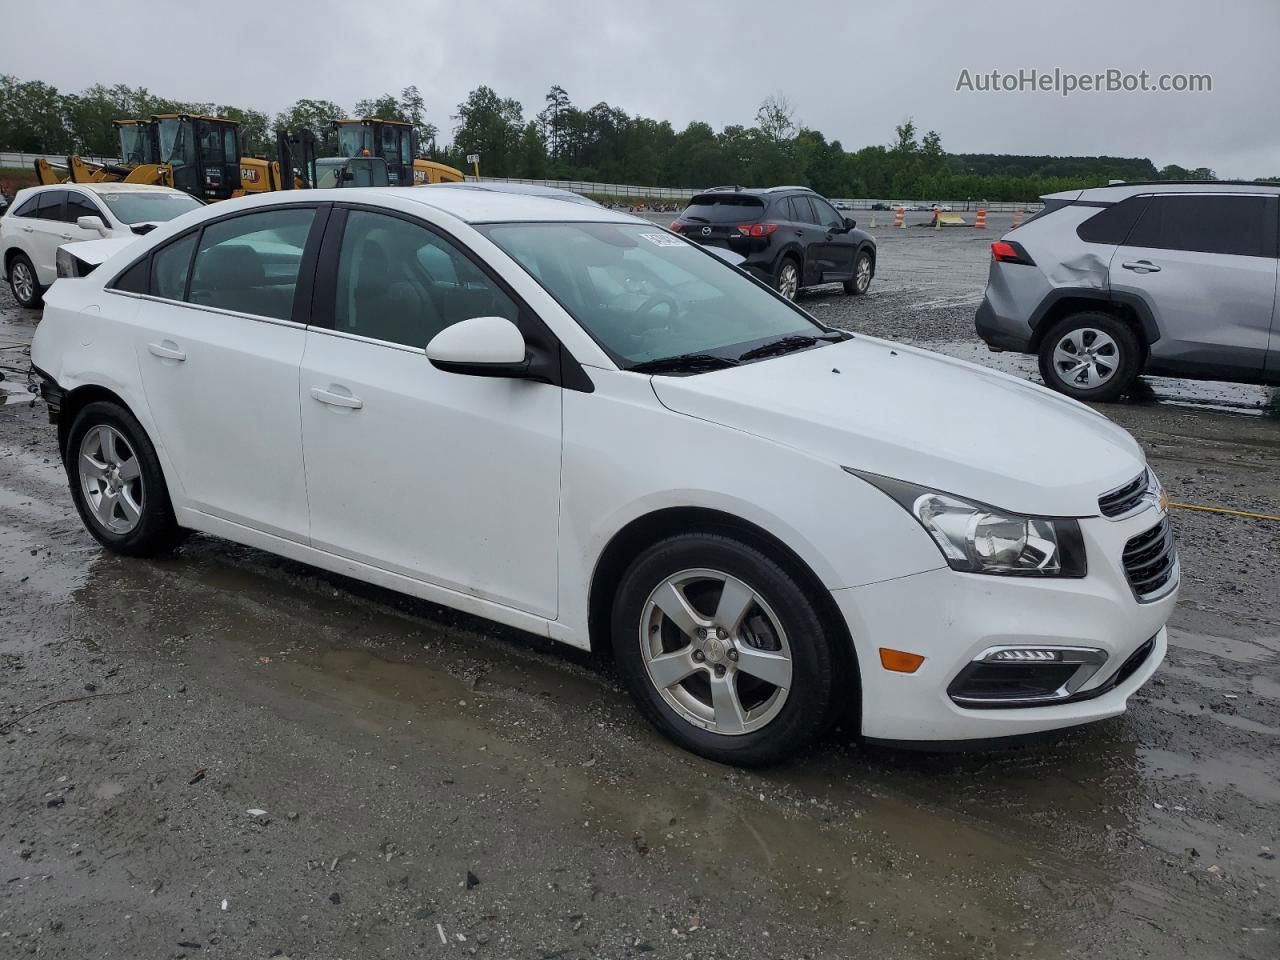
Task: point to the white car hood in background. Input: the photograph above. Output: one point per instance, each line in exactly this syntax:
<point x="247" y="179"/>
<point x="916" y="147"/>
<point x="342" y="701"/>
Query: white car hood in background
<point x="923" y="418"/>
<point x="95" y="252"/>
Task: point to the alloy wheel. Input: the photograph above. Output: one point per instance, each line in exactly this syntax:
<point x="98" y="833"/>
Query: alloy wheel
<point x="111" y="479"/>
<point x="1086" y="357"/>
<point x="715" y="651"/>
<point x="862" y="278"/>
<point x="24" y="284"/>
<point x="788" y="280"/>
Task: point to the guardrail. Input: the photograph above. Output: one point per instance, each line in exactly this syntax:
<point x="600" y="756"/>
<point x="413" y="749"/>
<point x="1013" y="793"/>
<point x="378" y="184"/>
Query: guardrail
<point x="684" y="193"/>
<point x="25" y="160"/>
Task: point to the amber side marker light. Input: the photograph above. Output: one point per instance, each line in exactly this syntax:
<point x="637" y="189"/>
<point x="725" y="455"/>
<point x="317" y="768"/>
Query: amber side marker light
<point x="899" y="661"/>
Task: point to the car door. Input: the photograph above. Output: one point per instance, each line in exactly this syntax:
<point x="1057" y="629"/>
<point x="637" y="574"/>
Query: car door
<point x="449" y="479"/>
<point x="838" y="247"/>
<point x="809" y="234"/>
<point x="43" y="231"/>
<point x="1206" y="265"/>
<point x="219" y="339"/>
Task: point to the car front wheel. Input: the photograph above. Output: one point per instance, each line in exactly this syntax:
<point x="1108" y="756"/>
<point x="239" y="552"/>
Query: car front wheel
<point x="23" y="282"/>
<point x="861" y="275"/>
<point x="723" y="650"/>
<point x="1090" y="356"/>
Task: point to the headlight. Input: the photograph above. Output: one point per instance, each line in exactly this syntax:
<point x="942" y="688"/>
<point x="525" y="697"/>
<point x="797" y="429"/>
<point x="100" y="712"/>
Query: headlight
<point x="976" y="538"/>
<point x="69" y="265"/>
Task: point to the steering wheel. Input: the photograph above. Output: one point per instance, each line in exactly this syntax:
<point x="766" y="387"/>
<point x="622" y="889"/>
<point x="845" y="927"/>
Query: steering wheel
<point x="657" y="300"/>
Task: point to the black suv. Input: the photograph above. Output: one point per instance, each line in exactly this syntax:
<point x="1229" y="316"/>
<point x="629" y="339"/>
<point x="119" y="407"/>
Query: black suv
<point x="791" y="236"/>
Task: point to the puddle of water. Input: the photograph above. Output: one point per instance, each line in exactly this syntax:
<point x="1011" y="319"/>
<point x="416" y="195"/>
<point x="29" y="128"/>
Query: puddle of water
<point x="1211" y="395"/>
<point x="1240" y="650"/>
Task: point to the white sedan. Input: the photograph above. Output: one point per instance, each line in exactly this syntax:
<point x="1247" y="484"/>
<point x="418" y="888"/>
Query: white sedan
<point x="43" y="219"/>
<point x="568" y="420"/>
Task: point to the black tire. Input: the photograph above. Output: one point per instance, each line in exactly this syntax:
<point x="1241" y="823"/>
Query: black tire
<point x="787" y="278"/>
<point x="21" y="270"/>
<point x="1124" y="357"/>
<point x="155" y="531"/>
<point x="863" y="267"/>
<point x="809" y="706"/>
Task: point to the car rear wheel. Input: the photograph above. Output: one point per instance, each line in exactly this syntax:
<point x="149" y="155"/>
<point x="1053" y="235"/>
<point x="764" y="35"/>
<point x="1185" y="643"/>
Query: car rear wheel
<point x="1090" y="356"/>
<point x="787" y="282"/>
<point x="723" y="651"/>
<point x="861" y="275"/>
<point x="117" y="484"/>
<point x="23" y="282"/>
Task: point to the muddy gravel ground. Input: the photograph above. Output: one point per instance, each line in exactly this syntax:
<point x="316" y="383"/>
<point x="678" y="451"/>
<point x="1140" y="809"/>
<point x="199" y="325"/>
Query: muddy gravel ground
<point x="223" y="754"/>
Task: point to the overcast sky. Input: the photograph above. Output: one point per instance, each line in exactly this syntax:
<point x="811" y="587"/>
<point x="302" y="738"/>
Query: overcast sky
<point x="852" y="69"/>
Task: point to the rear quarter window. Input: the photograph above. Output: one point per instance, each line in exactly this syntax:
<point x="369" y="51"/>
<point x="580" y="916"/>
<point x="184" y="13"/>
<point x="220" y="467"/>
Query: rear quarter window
<point x="1112" y="224"/>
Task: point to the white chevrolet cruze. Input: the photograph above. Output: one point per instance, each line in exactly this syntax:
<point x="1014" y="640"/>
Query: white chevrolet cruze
<point x="571" y="421"/>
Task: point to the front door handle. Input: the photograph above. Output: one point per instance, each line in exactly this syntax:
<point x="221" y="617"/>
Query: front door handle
<point x="28" y="229"/>
<point x="166" y="350"/>
<point x="66" y="236"/>
<point x="1141" y="266"/>
<point x="337" y="399"/>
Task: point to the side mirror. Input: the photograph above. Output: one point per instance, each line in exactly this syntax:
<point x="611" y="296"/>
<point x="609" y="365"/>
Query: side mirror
<point x="92" y="223"/>
<point x="481" y="347"/>
<point x="850" y="223"/>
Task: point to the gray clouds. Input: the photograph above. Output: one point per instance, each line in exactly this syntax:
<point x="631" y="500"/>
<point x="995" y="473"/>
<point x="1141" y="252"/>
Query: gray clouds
<point x="852" y="69"/>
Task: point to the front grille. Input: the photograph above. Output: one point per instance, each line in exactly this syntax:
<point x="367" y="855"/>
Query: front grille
<point x="1118" y="502"/>
<point x="1150" y="560"/>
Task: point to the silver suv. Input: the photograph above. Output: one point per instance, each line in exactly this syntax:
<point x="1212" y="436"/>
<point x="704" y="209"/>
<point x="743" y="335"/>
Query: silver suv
<point x="1167" y="278"/>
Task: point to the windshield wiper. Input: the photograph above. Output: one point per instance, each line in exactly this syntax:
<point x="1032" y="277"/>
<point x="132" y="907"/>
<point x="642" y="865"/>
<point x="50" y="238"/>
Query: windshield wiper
<point x="684" y="362"/>
<point x="788" y="344"/>
<point x="689" y="216"/>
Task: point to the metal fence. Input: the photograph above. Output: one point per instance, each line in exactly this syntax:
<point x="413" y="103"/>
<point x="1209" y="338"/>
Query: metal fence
<point x="684" y="193"/>
<point x="620" y="190"/>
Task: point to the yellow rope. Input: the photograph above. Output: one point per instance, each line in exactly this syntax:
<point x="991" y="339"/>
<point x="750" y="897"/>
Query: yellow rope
<point x="1234" y="513"/>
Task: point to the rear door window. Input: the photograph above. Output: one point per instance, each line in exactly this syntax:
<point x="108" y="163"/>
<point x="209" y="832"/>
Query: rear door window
<point x="249" y="264"/>
<point x="1238" y="226"/>
<point x="50" y="205"/>
<point x="730" y="208"/>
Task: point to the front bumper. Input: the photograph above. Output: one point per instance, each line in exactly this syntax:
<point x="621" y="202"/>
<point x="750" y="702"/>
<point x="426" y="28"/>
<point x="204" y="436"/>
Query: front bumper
<point x="952" y="618"/>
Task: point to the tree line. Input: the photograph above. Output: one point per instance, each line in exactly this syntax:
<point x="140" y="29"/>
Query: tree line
<point x="601" y="143"/>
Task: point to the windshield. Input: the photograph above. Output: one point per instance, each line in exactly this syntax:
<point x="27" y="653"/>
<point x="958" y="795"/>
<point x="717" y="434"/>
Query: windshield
<point x="176" y="144"/>
<point x="355" y="140"/>
<point x="135" y="143"/>
<point x="645" y="294"/>
<point x="139" y="207"/>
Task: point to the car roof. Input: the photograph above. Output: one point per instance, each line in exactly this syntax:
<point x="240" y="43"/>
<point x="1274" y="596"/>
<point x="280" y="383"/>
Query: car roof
<point x="526" y="189"/>
<point x="471" y="206"/>
<point x="1118" y="191"/>
<point x="123" y="187"/>
<point x="754" y="191"/>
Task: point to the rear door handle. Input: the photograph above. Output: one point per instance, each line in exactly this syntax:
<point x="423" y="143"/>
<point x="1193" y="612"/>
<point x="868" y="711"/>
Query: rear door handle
<point x="28" y="229"/>
<point x="1141" y="266"/>
<point x="66" y="236"/>
<point x="166" y="350"/>
<point x="337" y="399"/>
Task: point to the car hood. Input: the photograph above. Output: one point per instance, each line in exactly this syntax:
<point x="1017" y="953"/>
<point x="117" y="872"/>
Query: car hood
<point x="924" y="418"/>
<point x="96" y="252"/>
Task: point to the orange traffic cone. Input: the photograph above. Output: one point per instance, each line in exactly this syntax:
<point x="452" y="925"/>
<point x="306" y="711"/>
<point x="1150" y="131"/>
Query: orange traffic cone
<point x="900" y="217"/>
<point x="1017" y="218"/>
<point x="980" y="222"/>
